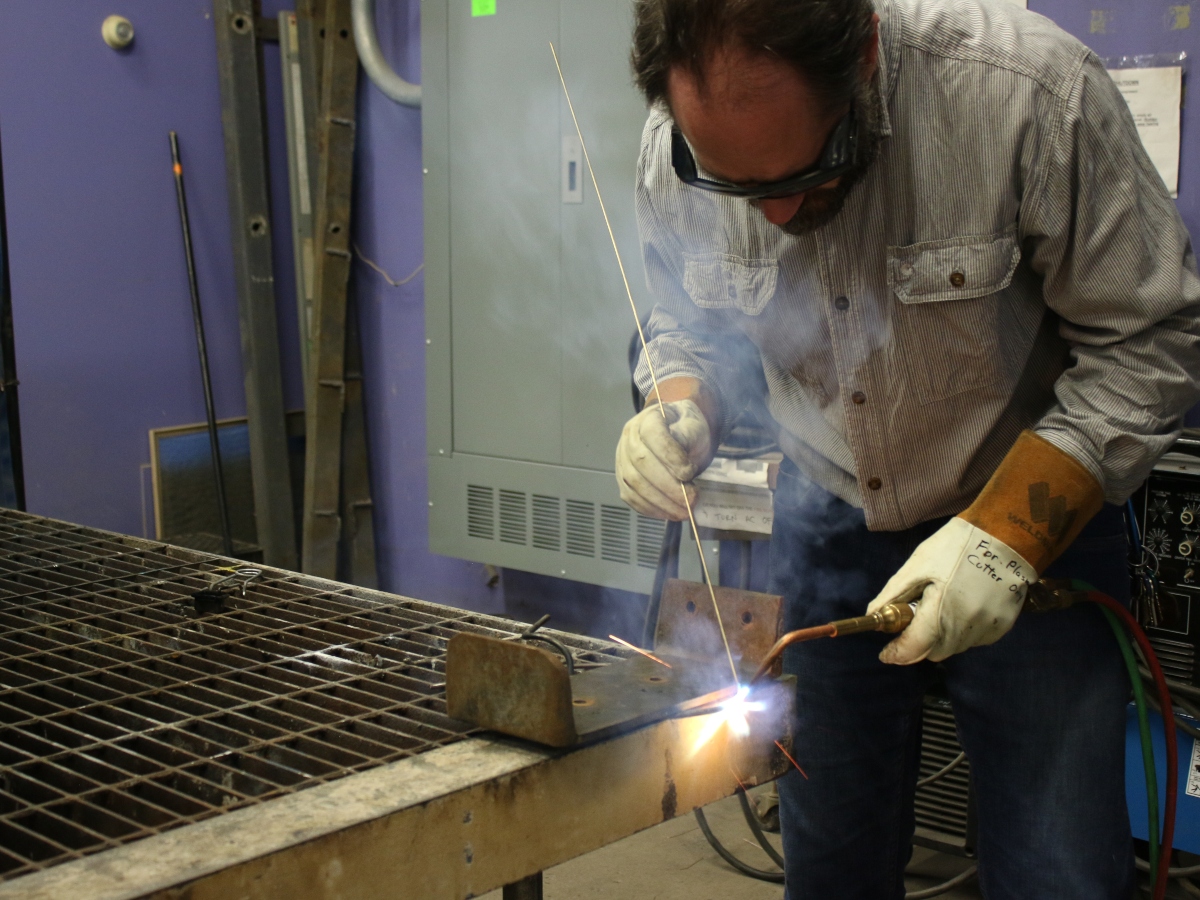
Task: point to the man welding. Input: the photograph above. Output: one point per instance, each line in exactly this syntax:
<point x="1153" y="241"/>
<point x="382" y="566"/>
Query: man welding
<point x="976" y="308"/>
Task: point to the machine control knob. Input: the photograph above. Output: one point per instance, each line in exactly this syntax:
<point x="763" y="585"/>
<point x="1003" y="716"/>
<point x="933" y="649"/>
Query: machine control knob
<point x="1187" y="516"/>
<point x="1185" y="548"/>
<point x="1189" y="575"/>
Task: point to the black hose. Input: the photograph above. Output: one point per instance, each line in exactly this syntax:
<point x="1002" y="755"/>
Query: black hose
<point x="760" y="874"/>
<point x="777" y="877"/>
<point x="756" y="830"/>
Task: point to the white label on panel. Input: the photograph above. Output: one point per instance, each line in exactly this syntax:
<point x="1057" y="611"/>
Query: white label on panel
<point x="1193" y="782"/>
<point x="733" y="509"/>
<point x="1154" y="97"/>
<point x="572" y="169"/>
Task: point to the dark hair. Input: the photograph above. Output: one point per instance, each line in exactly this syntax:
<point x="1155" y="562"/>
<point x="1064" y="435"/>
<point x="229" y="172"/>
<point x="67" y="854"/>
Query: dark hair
<point x="823" y="39"/>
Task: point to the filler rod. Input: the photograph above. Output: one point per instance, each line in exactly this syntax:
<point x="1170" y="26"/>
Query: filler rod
<point x="649" y="362"/>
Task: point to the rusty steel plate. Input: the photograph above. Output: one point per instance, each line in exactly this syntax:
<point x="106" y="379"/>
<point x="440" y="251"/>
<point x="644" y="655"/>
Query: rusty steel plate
<point x="687" y="624"/>
<point x="525" y="692"/>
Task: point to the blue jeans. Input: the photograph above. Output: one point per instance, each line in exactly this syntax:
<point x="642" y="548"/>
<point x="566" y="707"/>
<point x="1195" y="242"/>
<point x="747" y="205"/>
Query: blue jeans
<point x="1041" y="714"/>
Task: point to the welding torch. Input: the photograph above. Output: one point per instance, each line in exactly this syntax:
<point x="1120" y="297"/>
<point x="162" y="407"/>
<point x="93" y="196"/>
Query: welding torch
<point x="1043" y="596"/>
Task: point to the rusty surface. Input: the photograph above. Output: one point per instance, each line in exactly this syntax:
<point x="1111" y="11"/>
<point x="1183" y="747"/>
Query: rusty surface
<point x="126" y="712"/>
<point x="450" y="824"/>
<point x="511" y="687"/>
<point x="524" y="691"/>
<point x="687" y="623"/>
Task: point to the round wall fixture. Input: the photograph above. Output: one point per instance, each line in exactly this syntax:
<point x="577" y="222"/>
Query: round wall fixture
<point x="117" y="32"/>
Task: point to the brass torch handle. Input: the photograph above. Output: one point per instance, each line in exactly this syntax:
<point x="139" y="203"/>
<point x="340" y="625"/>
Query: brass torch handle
<point x="1043" y="596"/>
<point x="890" y="619"/>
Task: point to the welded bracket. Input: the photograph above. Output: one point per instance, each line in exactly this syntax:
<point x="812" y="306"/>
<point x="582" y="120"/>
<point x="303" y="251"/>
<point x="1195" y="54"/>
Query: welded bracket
<point x="525" y="691"/>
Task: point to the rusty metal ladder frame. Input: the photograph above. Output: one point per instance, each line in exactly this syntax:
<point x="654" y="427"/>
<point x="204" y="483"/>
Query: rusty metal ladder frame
<point x="338" y="535"/>
<point x="239" y="30"/>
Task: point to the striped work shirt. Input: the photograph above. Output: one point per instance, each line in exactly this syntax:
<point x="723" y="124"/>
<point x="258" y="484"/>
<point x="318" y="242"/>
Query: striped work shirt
<point x="1011" y="260"/>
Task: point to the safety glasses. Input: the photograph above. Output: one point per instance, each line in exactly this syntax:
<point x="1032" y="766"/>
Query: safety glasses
<point x="837" y="158"/>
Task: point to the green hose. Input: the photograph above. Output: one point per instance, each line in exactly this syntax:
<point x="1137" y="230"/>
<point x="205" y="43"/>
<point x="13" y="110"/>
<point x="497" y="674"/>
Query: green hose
<point x="1139" y="698"/>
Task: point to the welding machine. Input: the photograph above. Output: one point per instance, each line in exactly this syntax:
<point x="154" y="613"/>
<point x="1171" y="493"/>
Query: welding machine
<point x="1167" y="510"/>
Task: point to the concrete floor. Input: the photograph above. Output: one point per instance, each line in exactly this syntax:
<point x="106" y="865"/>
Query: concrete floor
<point x="672" y="861"/>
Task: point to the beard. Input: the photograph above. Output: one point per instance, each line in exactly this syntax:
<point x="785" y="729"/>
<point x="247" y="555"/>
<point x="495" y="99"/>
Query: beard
<point x="821" y="205"/>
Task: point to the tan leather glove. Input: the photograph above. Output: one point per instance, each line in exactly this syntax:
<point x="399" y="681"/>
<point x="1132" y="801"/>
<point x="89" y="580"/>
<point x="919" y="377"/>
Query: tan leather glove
<point x="972" y="574"/>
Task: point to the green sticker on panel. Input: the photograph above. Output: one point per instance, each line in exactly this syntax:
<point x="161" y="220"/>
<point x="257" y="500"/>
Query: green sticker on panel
<point x="483" y="7"/>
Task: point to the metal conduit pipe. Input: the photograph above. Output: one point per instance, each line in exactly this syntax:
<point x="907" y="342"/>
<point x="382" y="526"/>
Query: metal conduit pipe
<point x="378" y="69"/>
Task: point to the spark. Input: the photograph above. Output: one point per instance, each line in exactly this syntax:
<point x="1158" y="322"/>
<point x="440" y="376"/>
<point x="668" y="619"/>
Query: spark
<point x="792" y="761"/>
<point x="731" y="713"/>
<point x="636" y="649"/>
<point x="738" y="779"/>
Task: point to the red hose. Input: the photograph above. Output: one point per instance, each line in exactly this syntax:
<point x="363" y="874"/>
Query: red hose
<point x="1164" y="699"/>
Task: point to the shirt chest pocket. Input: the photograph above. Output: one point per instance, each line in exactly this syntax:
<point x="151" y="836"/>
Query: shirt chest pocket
<point x="949" y="318"/>
<point x="717" y="281"/>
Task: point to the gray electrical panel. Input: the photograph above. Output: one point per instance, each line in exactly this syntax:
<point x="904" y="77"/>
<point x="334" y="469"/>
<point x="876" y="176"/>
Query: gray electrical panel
<point x="528" y="326"/>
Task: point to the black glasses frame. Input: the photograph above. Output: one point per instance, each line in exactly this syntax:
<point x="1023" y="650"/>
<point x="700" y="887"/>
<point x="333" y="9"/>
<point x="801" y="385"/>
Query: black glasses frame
<point x="837" y="158"/>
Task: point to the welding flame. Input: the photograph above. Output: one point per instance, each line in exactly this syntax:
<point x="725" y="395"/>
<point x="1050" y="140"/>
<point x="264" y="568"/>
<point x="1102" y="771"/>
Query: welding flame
<point x="730" y="713"/>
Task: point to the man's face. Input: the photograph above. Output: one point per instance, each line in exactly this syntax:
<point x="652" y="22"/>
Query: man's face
<point x="755" y="120"/>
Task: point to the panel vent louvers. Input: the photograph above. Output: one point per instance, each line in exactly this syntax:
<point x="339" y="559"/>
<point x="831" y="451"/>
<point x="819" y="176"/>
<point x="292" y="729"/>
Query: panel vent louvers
<point x="481" y="512"/>
<point x="514" y="519"/>
<point x="581" y="528"/>
<point x="547" y="523"/>
<point x="649" y="541"/>
<point x="942" y="807"/>
<point x="1178" y="660"/>
<point x="616" y="533"/>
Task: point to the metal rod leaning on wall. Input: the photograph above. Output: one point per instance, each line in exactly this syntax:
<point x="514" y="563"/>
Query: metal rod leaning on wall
<point x="239" y="61"/>
<point x="210" y="414"/>
<point x="8" y="364"/>
<point x="322" y="522"/>
<point x="299" y="106"/>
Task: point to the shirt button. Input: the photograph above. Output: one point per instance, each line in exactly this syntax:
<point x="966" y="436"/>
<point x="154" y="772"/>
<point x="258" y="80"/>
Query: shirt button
<point x="874" y="484"/>
<point x="906" y="270"/>
<point x="859" y="398"/>
<point x="842" y="303"/>
<point x="732" y="292"/>
<point x="958" y="279"/>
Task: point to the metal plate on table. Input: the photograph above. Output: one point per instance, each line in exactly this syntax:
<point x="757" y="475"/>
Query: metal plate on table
<point x="525" y="691"/>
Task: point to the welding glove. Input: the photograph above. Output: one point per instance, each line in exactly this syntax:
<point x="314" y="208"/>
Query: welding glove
<point x="657" y="454"/>
<point x="972" y="575"/>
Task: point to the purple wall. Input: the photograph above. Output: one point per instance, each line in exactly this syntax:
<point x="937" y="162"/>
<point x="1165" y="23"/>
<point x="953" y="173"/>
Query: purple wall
<point x="105" y="348"/>
<point x="104" y="341"/>
<point x="388" y="229"/>
<point x="1116" y="28"/>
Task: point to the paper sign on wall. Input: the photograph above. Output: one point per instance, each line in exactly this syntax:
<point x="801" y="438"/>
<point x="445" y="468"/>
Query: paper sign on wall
<point x="483" y="7"/>
<point x="1154" y="96"/>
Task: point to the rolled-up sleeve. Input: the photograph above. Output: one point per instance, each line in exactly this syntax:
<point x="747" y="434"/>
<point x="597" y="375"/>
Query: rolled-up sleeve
<point x="1120" y="272"/>
<point x="683" y="339"/>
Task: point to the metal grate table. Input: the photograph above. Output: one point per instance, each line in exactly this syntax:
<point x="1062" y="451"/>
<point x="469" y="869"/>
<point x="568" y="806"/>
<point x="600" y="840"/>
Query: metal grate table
<point x="125" y="712"/>
<point x="294" y="743"/>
